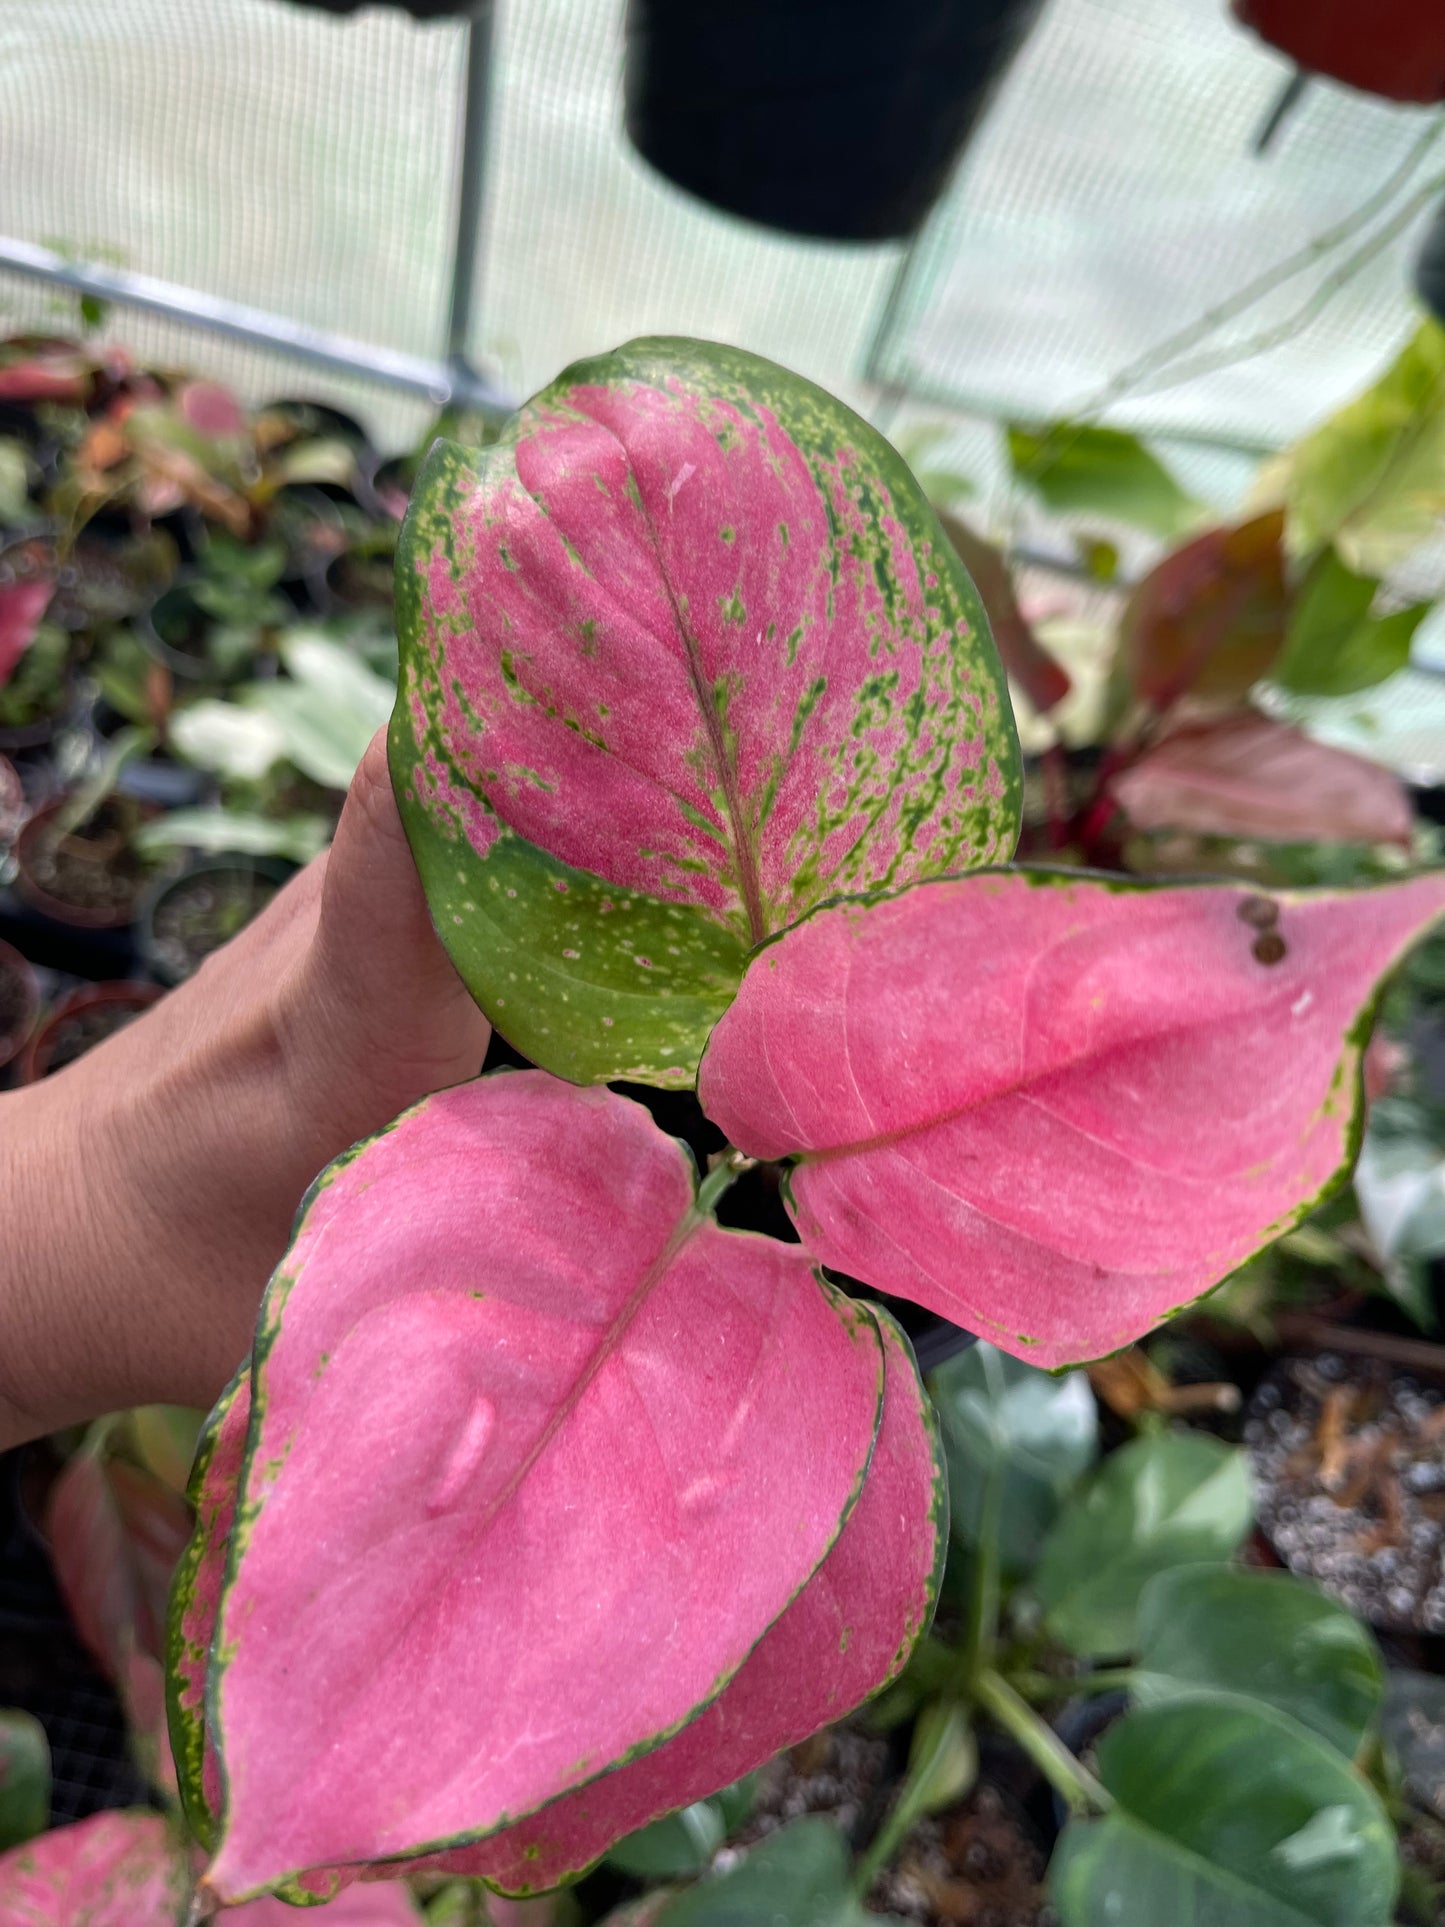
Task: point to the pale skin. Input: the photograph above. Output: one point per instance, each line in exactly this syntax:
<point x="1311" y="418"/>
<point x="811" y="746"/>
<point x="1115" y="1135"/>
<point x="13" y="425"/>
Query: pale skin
<point x="149" y="1188"/>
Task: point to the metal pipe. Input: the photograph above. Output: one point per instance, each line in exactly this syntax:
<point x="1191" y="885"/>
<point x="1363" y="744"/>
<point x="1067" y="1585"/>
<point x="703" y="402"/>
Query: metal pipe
<point x="435" y="381"/>
<point x="471" y="184"/>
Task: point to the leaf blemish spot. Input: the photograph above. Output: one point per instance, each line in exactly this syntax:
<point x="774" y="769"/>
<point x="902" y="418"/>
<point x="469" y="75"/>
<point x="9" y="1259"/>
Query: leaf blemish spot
<point x="1260" y="913"/>
<point x="1269" y="948"/>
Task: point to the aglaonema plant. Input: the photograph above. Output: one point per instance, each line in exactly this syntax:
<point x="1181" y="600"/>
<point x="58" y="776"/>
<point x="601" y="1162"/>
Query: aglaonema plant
<point x="545" y="1505"/>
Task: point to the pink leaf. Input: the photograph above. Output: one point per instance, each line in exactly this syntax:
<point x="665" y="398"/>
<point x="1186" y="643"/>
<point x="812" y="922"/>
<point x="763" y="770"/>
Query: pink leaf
<point x="54" y="377"/>
<point x="1029" y="665"/>
<point x="1054" y="1109"/>
<point x="1249" y="776"/>
<point x="211" y="409"/>
<point x="843" y="1638"/>
<point x="22" y="604"/>
<point x="112" y="1870"/>
<point x="385" y="1904"/>
<point x="538" y="1454"/>
<point x="688" y="644"/>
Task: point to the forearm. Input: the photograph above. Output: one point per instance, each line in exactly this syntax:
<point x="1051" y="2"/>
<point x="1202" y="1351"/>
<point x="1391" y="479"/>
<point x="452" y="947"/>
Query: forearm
<point x="148" y="1190"/>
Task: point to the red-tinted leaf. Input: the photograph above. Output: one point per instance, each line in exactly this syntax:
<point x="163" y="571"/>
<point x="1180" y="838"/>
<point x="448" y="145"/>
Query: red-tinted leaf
<point x="1397" y="49"/>
<point x="1249" y="776"/>
<point x="1054" y="1109"/>
<point x="683" y="653"/>
<point x="22" y="604"/>
<point x="1209" y="619"/>
<point x="116" y="1533"/>
<point x="1026" y="661"/>
<point x="112" y="1870"/>
<point x="538" y="1454"/>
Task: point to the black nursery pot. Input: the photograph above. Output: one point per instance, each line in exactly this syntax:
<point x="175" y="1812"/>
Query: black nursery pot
<point x="1430" y="266"/>
<point x="839" y="119"/>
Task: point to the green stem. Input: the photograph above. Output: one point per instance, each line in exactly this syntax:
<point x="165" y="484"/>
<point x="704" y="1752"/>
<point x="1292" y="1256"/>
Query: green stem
<point x="1078" y="1787"/>
<point x="910" y="1805"/>
<point x="727" y="1168"/>
<point x="1044" y="1686"/>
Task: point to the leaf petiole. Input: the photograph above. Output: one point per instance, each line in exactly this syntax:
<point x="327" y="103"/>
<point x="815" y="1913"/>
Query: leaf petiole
<point x="1081" y="1792"/>
<point x="726" y="1168"/>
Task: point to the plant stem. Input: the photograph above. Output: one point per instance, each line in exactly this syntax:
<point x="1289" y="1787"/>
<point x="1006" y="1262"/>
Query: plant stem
<point x="1080" y="1790"/>
<point x="1042" y="1686"/>
<point x="909" y="1806"/>
<point x="726" y="1169"/>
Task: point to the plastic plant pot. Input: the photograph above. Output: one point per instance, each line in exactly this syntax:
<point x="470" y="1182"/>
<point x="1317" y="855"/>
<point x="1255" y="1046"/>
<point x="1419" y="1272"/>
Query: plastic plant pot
<point x="88" y="879"/>
<point x="175" y="629"/>
<point x="81" y="1020"/>
<point x="19" y="1002"/>
<point x="185" y="918"/>
<point x="834" y="118"/>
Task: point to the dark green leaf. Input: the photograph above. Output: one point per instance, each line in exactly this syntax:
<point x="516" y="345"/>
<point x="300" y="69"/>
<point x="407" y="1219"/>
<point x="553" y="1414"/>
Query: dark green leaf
<point x="1037" y="1432"/>
<point x="24" y="1779"/>
<point x="1334" y="646"/>
<point x="1268" y="1637"/>
<point x="1172" y="1500"/>
<point x="1227" y="1816"/>
<point x="796" y="1878"/>
<point x="1100" y="471"/>
<point x="679" y="1843"/>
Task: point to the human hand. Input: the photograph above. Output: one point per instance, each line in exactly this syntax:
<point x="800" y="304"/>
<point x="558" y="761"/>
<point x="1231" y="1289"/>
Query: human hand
<point x="148" y="1190"/>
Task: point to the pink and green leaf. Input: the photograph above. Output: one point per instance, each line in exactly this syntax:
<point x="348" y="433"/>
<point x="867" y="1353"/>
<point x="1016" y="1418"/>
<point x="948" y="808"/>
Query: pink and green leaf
<point x="523" y="1417"/>
<point x="683" y="654"/>
<point x="22" y="605"/>
<point x="196" y="1599"/>
<point x="1053" y="1108"/>
<point x="113" y="1870"/>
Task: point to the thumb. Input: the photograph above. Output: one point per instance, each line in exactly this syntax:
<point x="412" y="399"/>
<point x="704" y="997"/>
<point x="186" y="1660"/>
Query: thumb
<point x="380" y="964"/>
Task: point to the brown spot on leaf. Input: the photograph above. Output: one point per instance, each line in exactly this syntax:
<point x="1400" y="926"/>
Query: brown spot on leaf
<point x="1269" y="948"/>
<point x="1260" y="913"/>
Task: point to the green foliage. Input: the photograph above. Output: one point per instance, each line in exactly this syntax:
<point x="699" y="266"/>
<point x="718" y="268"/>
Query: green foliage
<point x="24" y="1779"/>
<point x="1371" y="479"/>
<point x="1263" y="1636"/>
<point x="1034" y="1432"/>
<point x="799" y="1877"/>
<point x="1168" y="1500"/>
<point x="1077" y="468"/>
<point x="1226" y="1815"/>
<point x="37" y="688"/>
<point x="220" y="832"/>
<point x="1334" y="645"/>
<point x="683" y="1843"/>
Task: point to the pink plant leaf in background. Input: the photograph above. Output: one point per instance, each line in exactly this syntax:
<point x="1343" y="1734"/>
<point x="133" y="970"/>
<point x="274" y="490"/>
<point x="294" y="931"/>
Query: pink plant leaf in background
<point x="1249" y="776"/>
<point x="116" y="1533"/>
<point x="196" y="1598"/>
<point x="116" y="1869"/>
<point x="22" y="605"/>
<point x="1057" y="1109"/>
<point x="211" y="409"/>
<point x="1029" y="665"/>
<point x="537" y="1454"/>
<point x="56" y="376"/>
<point x="846" y="1635"/>
<point x="683" y="653"/>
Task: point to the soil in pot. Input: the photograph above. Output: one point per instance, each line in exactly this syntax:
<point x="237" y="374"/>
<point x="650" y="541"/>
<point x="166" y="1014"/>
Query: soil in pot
<point x="199" y="912"/>
<point x="973" y="1866"/>
<point x="840" y="1772"/>
<point x="1349" y="1465"/>
<point x="19" y="1002"/>
<point x="81" y="1021"/>
<point x="91" y="876"/>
